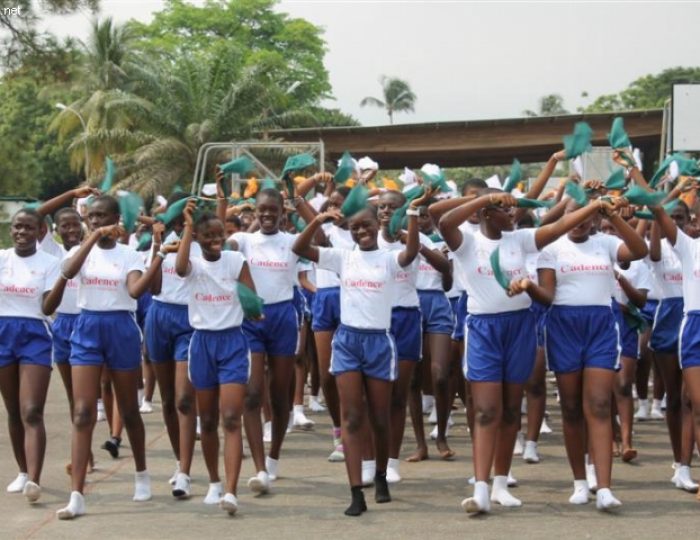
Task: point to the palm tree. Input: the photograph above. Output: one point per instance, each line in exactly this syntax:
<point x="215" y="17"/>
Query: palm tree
<point x="398" y="97"/>
<point x="550" y="105"/>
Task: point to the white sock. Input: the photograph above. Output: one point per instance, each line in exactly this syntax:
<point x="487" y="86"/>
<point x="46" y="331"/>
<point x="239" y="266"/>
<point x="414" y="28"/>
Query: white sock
<point x="580" y="495"/>
<point x="605" y="500"/>
<point x="298" y="409"/>
<point x="369" y="470"/>
<point x="272" y="466"/>
<point x="214" y="493"/>
<point x="142" y="486"/>
<point x="229" y="503"/>
<point x="75" y="508"/>
<point x="500" y="493"/>
<point x="17" y="485"/>
<point x="479" y="502"/>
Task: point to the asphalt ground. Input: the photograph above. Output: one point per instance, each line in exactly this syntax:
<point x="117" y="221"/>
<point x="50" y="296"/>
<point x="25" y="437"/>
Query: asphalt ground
<point x="308" y="499"/>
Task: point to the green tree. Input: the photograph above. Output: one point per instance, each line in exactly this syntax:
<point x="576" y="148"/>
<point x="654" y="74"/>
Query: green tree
<point x="398" y="97"/>
<point x="549" y="105"/>
<point x="647" y="92"/>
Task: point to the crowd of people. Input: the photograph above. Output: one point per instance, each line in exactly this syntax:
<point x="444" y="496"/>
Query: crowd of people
<point x="388" y="297"/>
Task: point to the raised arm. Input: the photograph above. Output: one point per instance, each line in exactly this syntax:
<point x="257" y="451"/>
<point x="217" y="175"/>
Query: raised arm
<point x="52" y="298"/>
<point x="547" y="234"/>
<point x="72" y="266"/>
<point x="157" y="282"/>
<point x="302" y="245"/>
<point x="65" y="199"/>
<point x="634" y="247"/>
<point x="541" y="181"/>
<point x="412" y="246"/>
<point x="182" y="261"/>
<point x="666" y="224"/>
<point x="221" y="200"/>
<point x="438" y="209"/>
<point x="637" y="296"/>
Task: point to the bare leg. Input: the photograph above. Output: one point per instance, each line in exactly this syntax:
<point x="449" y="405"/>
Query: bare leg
<point x="281" y="369"/>
<point x="440" y="349"/>
<point x="232" y="397"/>
<point x="488" y="412"/>
<point x="86" y="389"/>
<point x="126" y="394"/>
<point x="415" y="406"/>
<point x="328" y="383"/>
<point x="251" y="415"/>
<point x="667" y="364"/>
<point x="165" y="376"/>
<point x="379" y="398"/>
<point x="536" y="389"/>
<point x="508" y="431"/>
<point x="187" y="416"/>
<point x="399" y="395"/>
<point x="9" y="386"/>
<point x="149" y="378"/>
<point x="623" y="396"/>
<point x="597" y="394"/>
<point x="208" y="405"/>
<point x="570" y="386"/>
<point x="353" y="416"/>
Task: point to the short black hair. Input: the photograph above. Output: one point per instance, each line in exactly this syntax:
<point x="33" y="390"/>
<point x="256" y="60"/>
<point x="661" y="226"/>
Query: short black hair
<point x="234" y="219"/>
<point x="29" y="212"/>
<point x="476" y="183"/>
<point x="273" y="193"/>
<point x="343" y="190"/>
<point x="64" y="212"/>
<point x="205" y="218"/>
<point x="111" y="202"/>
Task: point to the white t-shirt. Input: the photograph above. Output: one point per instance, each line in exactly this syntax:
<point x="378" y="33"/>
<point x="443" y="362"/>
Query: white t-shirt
<point x="213" y="295"/>
<point x="584" y="271"/>
<point x="23" y="282"/>
<point x="338" y="238"/>
<point x="69" y="302"/>
<point x="366" y="284"/>
<point x="174" y="289"/>
<point x="473" y="254"/>
<point x="428" y="279"/>
<point x="272" y="263"/>
<point x="688" y="250"/>
<point x="50" y="246"/>
<point x="102" y="278"/>
<point x="405" y="287"/>
<point x="458" y="284"/>
<point x="638" y="275"/>
<point x="668" y="272"/>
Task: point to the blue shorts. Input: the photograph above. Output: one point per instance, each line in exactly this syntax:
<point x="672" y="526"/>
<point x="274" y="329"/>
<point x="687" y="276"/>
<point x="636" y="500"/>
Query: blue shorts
<point x="500" y="347"/>
<point x="299" y="304"/>
<point x="578" y="337"/>
<point x="168" y="332"/>
<point x="406" y="329"/>
<point x="218" y="357"/>
<point x="110" y="338"/>
<point x="62" y="328"/>
<point x="667" y="325"/>
<point x="460" y="312"/>
<point x="370" y="352"/>
<point x="540" y="311"/>
<point x="308" y="302"/>
<point x="24" y="340"/>
<point x="437" y="313"/>
<point x="278" y="333"/>
<point x="143" y="304"/>
<point x="649" y="311"/>
<point x="325" y="310"/>
<point x="629" y="337"/>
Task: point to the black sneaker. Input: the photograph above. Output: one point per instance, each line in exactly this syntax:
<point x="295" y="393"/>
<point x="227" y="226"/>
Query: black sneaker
<point x="112" y="446"/>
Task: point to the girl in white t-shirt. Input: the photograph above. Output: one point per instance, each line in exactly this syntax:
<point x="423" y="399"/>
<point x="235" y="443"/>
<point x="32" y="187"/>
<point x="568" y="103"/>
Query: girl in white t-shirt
<point x="582" y="339"/>
<point x="364" y="358"/>
<point x="27" y="297"/>
<point x="688" y="251"/>
<point x="500" y="333"/>
<point x="219" y="357"/>
<point x="111" y="277"/>
<point x="273" y="266"/>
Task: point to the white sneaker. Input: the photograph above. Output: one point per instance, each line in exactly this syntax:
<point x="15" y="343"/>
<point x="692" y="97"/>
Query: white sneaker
<point x="581" y="493"/>
<point x="642" y="413"/>
<point x="392" y="471"/>
<point x="656" y="411"/>
<point x="75" y="508"/>
<point x="428" y="404"/>
<point x="434" y="432"/>
<point x="31" y="491"/>
<point x="480" y="502"/>
<point x="182" y="487"/>
<point x="267" y="432"/>
<point x="142" y="487"/>
<point x="519" y="444"/>
<point x="214" y="493"/>
<point x="682" y="480"/>
<point x="500" y="493"/>
<point x="369" y="470"/>
<point x="300" y="420"/>
<point x="260" y="483"/>
<point x="272" y="466"/>
<point x="146" y="407"/>
<point x="17" y="485"/>
<point x="512" y="482"/>
<point x="605" y="501"/>
<point x="530" y="454"/>
<point x="229" y="504"/>
<point x="173" y="478"/>
<point x="591" y="477"/>
<point x="338" y="454"/>
<point x="544" y="428"/>
<point x="471" y="480"/>
<point x="101" y="416"/>
<point x="315" y="405"/>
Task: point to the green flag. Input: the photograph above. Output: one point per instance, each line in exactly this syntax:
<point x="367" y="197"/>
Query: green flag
<point x="299" y="162"/>
<point x="514" y="177"/>
<point x="616" y="180"/>
<point x="130" y="205"/>
<point x="579" y="142"/>
<point x="108" y="179"/>
<point x="173" y="211"/>
<point x="534" y="203"/>
<point x="498" y="273"/>
<point x="618" y="136"/>
<point x="144" y="241"/>
<point x="251" y="303"/>
<point x="356" y="201"/>
<point x="242" y="166"/>
<point x="576" y="192"/>
<point x="641" y="197"/>
<point x="647" y="214"/>
<point x="345" y="168"/>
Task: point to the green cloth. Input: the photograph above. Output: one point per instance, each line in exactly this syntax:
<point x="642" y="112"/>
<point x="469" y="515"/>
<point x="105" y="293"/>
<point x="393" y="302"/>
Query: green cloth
<point x="618" y="136"/>
<point x="298" y="162"/>
<point x="34" y="205"/>
<point x="641" y="197"/>
<point x="251" y="303"/>
<point x="144" y="241"/>
<point x="647" y="214"/>
<point x="579" y="142"/>
<point x="130" y="206"/>
<point x="534" y="203"/>
<point x="241" y="166"/>
<point x="514" y="177"/>
<point x="683" y="164"/>
<point x="435" y="237"/>
<point x="356" y="201"/>
<point x="436" y="181"/>
<point x="399" y="220"/>
<point x="345" y="169"/>
<point x="269" y="183"/>
<point x="498" y="273"/>
<point x="173" y="211"/>
<point x="298" y="222"/>
<point x="634" y="319"/>
<point x="108" y="179"/>
<point x="576" y="192"/>
<point x="616" y="180"/>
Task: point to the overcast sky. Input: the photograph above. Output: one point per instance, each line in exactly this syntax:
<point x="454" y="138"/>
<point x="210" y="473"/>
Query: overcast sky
<point x="477" y="60"/>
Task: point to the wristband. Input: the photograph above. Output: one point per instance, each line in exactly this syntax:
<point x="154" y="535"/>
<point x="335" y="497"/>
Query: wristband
<point x="162" y="254"/>
<point x="412" y="212"/>
<point x="64" y="276"/>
